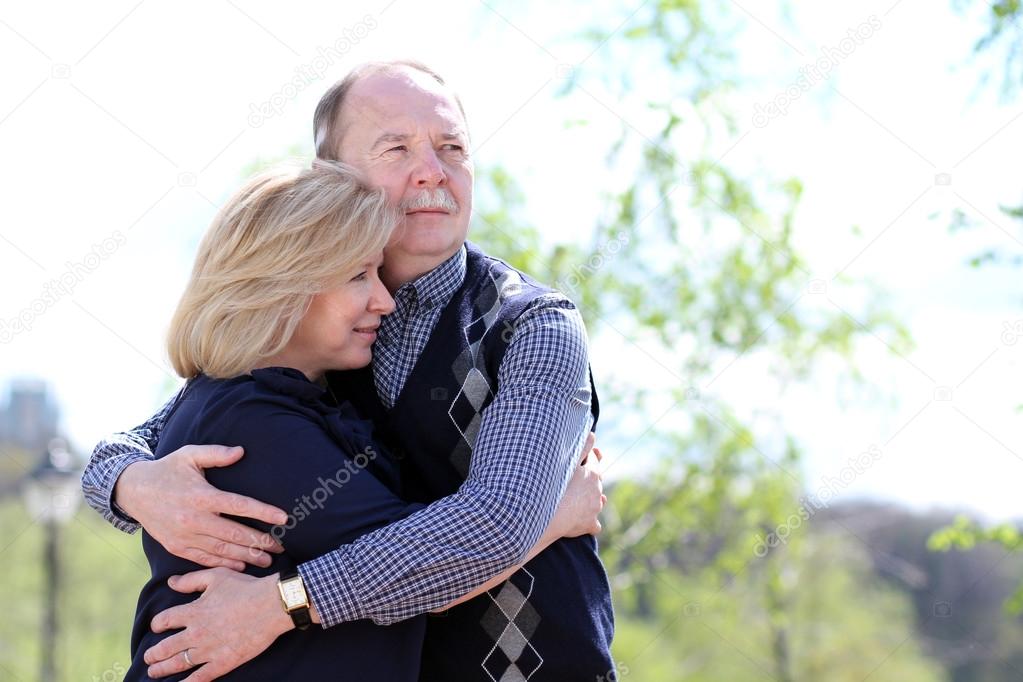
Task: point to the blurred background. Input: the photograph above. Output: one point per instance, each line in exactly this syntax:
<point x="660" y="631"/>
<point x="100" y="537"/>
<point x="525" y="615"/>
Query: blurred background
<point x="795" y="231"/>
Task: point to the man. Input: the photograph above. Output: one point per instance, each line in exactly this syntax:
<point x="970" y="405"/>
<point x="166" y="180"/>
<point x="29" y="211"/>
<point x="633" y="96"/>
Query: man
<point x="480" y="374"/>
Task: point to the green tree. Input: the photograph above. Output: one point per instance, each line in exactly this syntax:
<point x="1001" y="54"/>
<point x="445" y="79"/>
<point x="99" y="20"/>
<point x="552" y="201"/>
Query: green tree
<point x="694" y="268"/>
<point x="1005" y="34"/>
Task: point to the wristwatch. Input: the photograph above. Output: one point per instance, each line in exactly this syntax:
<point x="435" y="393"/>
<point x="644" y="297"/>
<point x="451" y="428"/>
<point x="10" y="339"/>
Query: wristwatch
<point x="295" y="598"/>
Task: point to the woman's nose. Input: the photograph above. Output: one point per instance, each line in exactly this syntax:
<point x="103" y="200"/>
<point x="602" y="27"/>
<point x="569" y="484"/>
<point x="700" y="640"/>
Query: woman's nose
<point x="381" y="301"/>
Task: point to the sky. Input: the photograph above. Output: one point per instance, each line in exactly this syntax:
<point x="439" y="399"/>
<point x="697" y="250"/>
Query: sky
<point x="124" y="126"/>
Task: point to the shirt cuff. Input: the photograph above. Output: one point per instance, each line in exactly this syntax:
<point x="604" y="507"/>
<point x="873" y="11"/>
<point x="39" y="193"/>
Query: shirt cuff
<point x="328" y="581"/>
<point x="114" y="514"/>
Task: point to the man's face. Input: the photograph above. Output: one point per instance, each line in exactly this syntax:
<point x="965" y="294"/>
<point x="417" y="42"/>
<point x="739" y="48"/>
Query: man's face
<point x="405" y="132"/>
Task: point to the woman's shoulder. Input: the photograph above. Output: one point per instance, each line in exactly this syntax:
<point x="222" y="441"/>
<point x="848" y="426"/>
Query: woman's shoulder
<point x="267" y="406"/>
<point x="209" y="405"/>
<point x="270" y="386"/>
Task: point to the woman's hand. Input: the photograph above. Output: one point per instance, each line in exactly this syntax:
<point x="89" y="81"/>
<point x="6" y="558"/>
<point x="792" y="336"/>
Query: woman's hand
<point x="578" y="511"/>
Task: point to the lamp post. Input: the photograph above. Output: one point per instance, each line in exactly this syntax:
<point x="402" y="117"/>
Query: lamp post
<point x="51" y="495"/>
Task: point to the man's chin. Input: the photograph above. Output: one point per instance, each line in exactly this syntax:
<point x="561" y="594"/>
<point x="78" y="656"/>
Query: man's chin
<point x="419" y="243"/>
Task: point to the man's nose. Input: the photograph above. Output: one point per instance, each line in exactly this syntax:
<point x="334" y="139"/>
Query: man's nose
<point x="429" y="171"/>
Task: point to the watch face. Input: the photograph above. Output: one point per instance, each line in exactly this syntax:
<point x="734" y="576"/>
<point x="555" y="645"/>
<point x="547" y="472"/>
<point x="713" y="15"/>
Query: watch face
<point x="293" y="593"/>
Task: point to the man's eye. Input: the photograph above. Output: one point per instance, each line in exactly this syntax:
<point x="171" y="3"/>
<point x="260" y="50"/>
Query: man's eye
<point x="453" y="147"/>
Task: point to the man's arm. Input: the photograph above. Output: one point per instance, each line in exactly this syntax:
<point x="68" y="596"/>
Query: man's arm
<point x="523" y="457"/>
<point x="115" y="454"/>
<point x="170" y="496"/>
<point x="238" y="616"/>
<point x="583" y="500"/>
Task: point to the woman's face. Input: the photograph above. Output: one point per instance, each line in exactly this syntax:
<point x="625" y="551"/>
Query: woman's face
<point x="340" y="326"/>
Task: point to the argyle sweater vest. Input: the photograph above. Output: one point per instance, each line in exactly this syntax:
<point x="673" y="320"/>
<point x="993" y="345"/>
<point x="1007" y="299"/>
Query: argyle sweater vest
<point x="553" y="619"/>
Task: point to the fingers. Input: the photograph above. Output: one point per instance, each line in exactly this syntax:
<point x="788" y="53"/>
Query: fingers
<point x="176" y="663"/>
<point x="167" y="653"/>
<point x="591" y="438"/>
<point x="237" y="553"/>
<point x="251" y="541"/>
<point x="215" y="541"/>
<point x="204" y="558"/>
<point x="247" y="507"/>
<point x="171" y="619"/>
<point x="196" y="581"/>
<point x="206" y="456"/>
<point x="599" y="454"/>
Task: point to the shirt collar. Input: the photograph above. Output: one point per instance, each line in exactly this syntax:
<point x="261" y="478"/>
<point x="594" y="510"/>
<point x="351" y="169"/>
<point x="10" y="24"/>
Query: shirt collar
<point x="436" y="287"/>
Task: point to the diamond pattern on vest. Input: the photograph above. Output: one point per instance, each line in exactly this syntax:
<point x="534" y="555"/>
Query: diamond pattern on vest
<point x="469" y="369"/>
<point x="510" y="621"/>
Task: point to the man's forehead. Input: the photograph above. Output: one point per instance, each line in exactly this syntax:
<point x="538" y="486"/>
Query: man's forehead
<point x="400" y="103"/>
<point x="404" y="119"/>
<point x="403" y="92"/>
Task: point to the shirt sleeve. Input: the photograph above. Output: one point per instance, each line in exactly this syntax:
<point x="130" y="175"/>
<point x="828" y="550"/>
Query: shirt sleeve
<point x="527" y="446"/>
<point x="112" y="456"/>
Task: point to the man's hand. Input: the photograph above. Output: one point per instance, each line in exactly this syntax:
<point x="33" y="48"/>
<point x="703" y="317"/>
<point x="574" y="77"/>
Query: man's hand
<point x="578" y="511"/>
<point x="172" y="500"/>
<point x="236" y="619"/>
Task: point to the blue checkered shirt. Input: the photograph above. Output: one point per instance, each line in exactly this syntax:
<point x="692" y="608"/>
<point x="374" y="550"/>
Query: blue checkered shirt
<point x="527" y="443"/>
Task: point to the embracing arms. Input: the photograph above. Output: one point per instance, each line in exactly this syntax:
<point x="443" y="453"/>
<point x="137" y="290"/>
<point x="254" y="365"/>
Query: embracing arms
<point x="521" y="463"/>
<point x="524" y="456"/>
<point x="238" y="616"/>
<point x="124" y="482"/>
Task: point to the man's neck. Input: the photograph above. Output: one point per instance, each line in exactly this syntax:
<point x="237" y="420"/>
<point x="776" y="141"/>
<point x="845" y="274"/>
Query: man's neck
<point x="400" y="269"/>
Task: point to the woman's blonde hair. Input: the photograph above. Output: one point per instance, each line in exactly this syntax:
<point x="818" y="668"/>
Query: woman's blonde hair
<point x="285" y="236"/>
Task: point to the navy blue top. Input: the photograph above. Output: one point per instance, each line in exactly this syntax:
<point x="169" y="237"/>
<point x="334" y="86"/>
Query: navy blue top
<point x="318" y="462"/>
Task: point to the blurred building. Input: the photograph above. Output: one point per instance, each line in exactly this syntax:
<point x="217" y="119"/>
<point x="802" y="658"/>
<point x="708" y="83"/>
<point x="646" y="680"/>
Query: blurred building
<point x="28" y="422"/>
<point x="29" y="418"/>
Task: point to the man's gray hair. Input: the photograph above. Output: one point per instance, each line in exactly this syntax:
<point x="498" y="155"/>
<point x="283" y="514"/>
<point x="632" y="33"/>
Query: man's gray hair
<point x="328" y="111"/>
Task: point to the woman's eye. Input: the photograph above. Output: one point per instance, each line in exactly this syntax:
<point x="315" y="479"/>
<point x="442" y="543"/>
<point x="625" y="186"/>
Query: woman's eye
<point x="359" y="277"/>
<point x="399" y="148"/>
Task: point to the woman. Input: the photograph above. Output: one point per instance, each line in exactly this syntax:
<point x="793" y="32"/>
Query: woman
<point x="285" y="287"/>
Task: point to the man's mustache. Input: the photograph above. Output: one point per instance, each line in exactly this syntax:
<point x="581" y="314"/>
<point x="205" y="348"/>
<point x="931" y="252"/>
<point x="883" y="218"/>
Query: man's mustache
<point x="437" y="199"/>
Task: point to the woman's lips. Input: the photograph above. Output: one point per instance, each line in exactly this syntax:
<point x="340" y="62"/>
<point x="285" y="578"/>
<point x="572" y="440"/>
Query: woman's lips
<point x="368" y="332"/>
